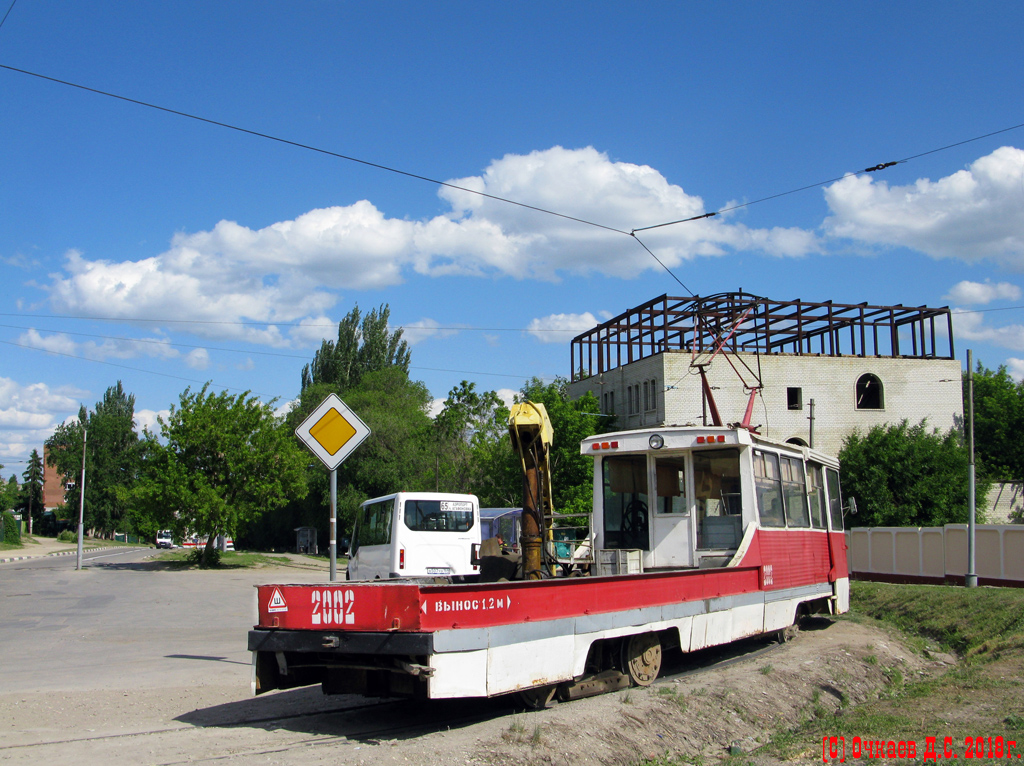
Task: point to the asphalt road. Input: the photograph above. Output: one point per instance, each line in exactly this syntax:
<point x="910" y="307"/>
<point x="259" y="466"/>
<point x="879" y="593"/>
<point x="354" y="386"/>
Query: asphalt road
<point x="125" y="620"/>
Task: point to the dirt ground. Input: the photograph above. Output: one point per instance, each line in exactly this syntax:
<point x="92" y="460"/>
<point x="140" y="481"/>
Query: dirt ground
<point x="697" y="718"/>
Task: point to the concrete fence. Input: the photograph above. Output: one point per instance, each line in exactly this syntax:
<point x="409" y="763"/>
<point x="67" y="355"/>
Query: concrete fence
<point x="937" y="554"/>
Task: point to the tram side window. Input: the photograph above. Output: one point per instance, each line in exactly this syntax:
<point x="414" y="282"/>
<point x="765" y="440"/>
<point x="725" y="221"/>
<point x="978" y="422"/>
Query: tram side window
<point x="795" y="492"/>
<point x="625" y="502"/>
<point x="768" y="483"/>
<point x="716" y="478"/>
<point x="835" y="499"/>
<point x="816" y="496"/>
<point x="671" y="473"/>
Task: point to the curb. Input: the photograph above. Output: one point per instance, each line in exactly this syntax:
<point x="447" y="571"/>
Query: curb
<point x="61" y="553"/>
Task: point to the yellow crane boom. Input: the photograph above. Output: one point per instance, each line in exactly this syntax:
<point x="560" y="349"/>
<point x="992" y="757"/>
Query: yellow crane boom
<point x="530" y="429"/>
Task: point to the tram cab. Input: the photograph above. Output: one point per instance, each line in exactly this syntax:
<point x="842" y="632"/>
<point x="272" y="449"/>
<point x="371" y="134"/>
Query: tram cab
<point x="693" y="497"/>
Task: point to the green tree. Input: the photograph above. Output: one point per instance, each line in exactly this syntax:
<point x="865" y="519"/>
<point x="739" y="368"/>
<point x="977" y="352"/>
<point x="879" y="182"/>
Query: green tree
<point x="359" y="349"/>
<point x="468" y="422"/>
<point x="572" y="420"/>
<point x="397" y="454"/>
<point x="9" y="493"/>
<point x="907" y="476"/>
<point x="31" y="500"/>
<point x="998" y="422"/>
<point x="112" y="460"/>
<point x="499" y="483"/>
<point x="225" y="460"/>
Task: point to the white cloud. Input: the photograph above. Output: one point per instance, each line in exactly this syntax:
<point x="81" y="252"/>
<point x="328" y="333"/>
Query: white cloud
<point x="973" y="214"/>
<point x="28" y="416"/>
<point x="198" y="359"/>
<point x="436" y="407"/>
<point x="423" y="329"/>
<point x="290" y="272"/>
<point x="561" y="328"/>
<point x="283" y="408"/>
<point x="148" y="419"/>
<point x="1015" y="367"/>
<point x="113" y="348"/>
<point x="967" y="293"/>
<point x="507" y="395"/>
<point x="970" y="325"/>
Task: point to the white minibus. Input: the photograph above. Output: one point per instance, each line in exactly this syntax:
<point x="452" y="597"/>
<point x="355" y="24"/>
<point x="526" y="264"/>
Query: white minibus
<point x="415" y="534"/>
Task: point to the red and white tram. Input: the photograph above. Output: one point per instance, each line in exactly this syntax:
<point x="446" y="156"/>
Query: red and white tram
<point x="730" y="535"/>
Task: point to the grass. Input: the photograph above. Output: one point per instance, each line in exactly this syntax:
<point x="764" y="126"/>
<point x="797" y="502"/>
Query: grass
<point x="962" y="620"/>
<point x="982" y="695"/>
<point x="982" y="625"/>
<point x="228" y="560"/>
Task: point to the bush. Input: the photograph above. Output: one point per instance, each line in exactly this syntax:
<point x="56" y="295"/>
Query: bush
<point x="12" y="535"/>
<point x="67" y="536"/>
<point x="195" y="556"/>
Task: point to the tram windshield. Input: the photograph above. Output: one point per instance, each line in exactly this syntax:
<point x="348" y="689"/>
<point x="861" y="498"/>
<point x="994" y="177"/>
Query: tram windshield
<point x="625" y="502"/>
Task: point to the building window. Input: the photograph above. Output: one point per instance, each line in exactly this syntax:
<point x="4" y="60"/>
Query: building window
<point x="651" y="404"/>
<point x="795" y="398"/>
<point x="870" y="395"/>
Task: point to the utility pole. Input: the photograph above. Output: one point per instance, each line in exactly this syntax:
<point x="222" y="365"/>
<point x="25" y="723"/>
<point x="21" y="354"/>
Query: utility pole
<point x="971" y="578"/>
<point x="81" y="500"/>
<point x="811" y="419"/>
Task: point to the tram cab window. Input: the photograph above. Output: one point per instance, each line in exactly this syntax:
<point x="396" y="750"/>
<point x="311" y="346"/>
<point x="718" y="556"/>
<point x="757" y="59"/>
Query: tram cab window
<point x="768" y="483"/>
<point x="794" y="491"/>
<point x="816" y="495"/>
<point x="671" y="478"/>
<point x="716" y="478"/>
<point x="625" y="502"/>
<point x="835" y="499"/>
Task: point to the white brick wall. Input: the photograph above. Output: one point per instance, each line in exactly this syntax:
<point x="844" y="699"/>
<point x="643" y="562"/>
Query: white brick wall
<point x="913" y="389"/>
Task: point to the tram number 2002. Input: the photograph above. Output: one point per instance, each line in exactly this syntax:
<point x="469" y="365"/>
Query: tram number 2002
<point x="333" y="607"/>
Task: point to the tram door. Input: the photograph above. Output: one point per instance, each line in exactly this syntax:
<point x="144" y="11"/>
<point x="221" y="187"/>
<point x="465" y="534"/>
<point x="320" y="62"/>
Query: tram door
<point x="672" y="538"/>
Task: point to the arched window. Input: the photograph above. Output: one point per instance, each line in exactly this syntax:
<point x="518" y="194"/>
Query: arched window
<point x="797" y="441"/>
<point x="870" y="395"/>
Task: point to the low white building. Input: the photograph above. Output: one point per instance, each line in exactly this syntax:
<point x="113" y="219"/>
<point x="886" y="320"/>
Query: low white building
<point x="860" y="366"/>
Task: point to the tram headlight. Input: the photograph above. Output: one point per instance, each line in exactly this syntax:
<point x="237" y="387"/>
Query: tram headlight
<point x="656" y="441"/>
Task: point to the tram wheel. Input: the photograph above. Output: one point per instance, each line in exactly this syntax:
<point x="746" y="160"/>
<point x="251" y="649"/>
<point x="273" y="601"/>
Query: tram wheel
<point x="785" y="635"/>
<point x="539" y="697"/>
<point x="641" y="658"/>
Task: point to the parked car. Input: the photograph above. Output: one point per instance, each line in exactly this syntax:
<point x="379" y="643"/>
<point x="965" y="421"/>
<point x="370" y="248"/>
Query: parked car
<point x="164" y="539"/>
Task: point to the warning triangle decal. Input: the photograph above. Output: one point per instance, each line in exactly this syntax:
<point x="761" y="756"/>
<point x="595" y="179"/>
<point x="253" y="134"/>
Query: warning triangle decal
<point x="277" y="602"/>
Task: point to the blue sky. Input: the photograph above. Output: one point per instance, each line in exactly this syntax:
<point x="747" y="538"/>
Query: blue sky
<point x="141" y="246"/>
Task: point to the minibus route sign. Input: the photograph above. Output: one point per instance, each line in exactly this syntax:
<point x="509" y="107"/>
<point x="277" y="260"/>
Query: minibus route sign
<point x="332" y="431"/>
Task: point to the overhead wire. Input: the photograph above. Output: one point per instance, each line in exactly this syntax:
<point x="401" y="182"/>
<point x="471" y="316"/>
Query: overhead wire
<point x="631" y="233"/>
<point x="9" y="9"/>
<point x="873" y="169"/>
<point x="126" y="367"/>
<point x="308" y="147"/>
<point x="249" y="352"/>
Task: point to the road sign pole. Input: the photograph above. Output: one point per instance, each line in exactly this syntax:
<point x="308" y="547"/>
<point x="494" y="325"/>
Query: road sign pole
<point x="334" y="524"/>
<point x="331" y="432"/>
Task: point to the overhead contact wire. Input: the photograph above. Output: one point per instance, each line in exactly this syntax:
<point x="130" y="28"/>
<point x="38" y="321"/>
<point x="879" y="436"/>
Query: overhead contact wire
<point x="873" y="169"/>
<point x="308" y="147"/>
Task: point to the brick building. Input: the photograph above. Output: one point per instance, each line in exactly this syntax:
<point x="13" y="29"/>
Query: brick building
<point x="860" y="365"/>
<point x="54" y="489"/>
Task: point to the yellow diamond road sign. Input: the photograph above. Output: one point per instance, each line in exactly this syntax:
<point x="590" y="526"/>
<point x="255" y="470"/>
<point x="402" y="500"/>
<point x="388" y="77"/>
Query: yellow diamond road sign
<point x="332" y="431"/>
